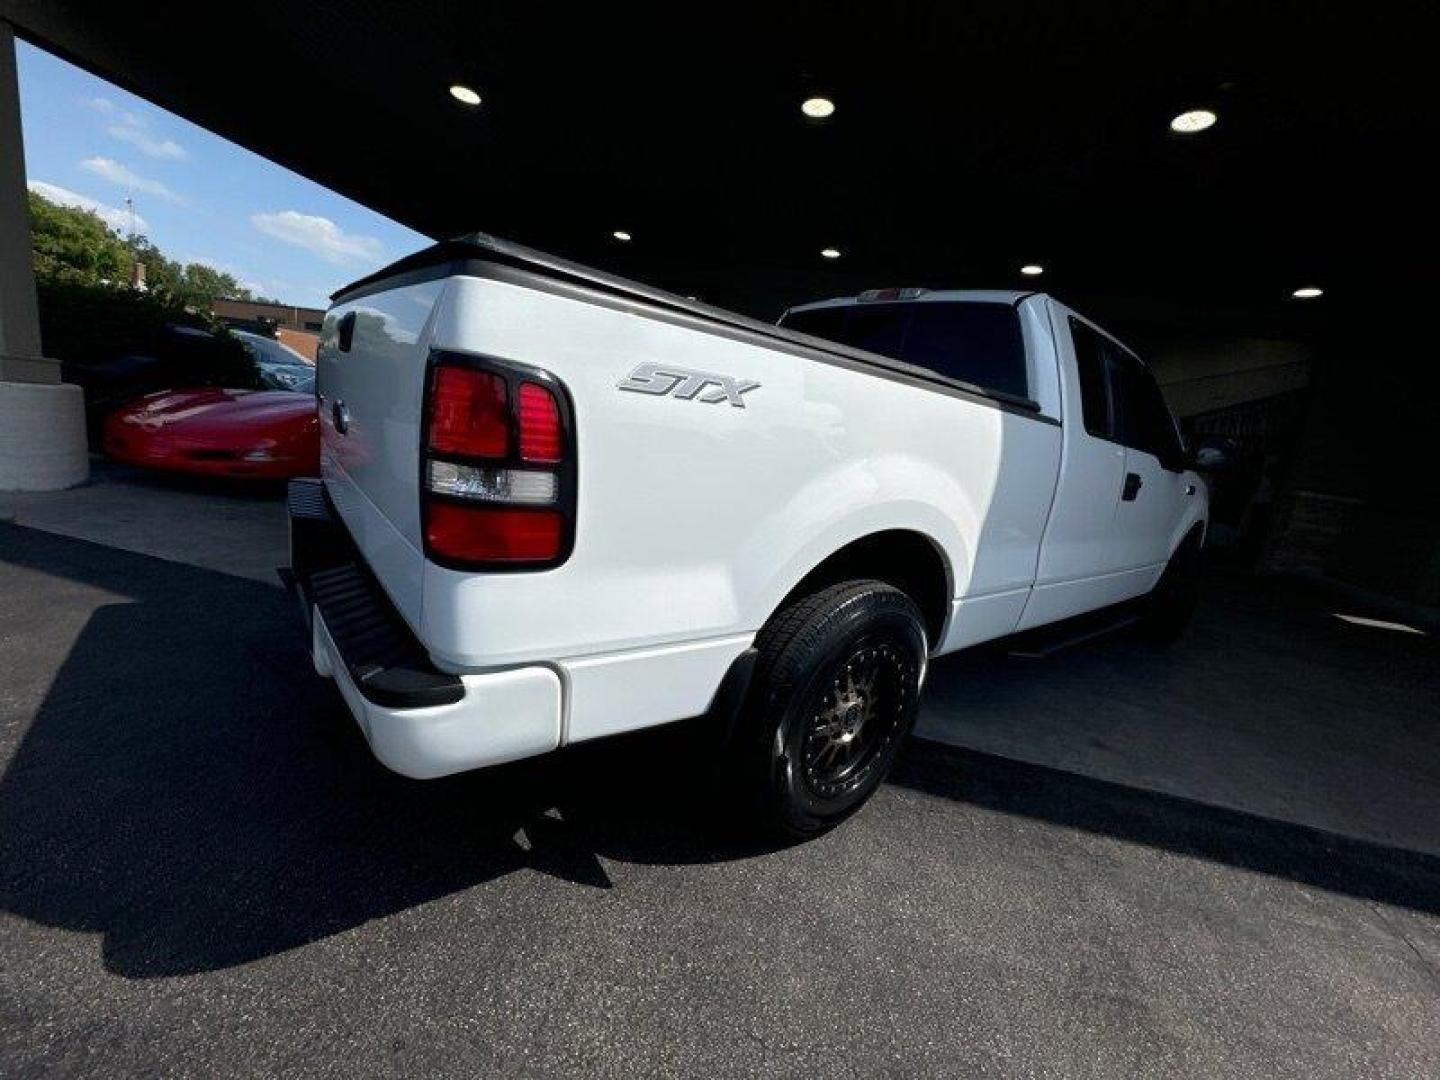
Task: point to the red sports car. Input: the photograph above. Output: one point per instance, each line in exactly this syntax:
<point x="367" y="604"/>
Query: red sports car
<point x="253" y="434"/>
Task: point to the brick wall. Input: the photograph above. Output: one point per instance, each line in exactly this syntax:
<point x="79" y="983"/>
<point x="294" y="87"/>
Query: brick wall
<point x="303" y="342"/>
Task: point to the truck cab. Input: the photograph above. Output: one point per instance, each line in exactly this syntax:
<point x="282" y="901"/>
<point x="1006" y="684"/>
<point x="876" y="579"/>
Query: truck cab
<point x="1125" y="494"/>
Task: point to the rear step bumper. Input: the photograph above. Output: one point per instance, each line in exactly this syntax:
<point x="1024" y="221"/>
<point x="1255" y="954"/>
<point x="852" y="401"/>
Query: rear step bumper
<point x="419" y="721"/>
<point x="382" y="657"/>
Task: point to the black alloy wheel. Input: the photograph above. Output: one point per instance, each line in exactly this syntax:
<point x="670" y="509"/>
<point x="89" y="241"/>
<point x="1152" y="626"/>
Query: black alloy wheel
<point x="836" y="690"/>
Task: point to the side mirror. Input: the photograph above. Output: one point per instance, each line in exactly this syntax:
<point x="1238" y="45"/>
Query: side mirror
<point x="1214" y="454"/>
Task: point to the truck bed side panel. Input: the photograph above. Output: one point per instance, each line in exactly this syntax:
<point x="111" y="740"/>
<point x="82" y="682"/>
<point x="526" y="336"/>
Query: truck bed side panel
<point x="695" y="518"/>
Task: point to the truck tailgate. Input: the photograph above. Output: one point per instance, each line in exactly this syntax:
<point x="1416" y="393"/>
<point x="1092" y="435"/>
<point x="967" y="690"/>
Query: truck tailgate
<point x="370" y="380"/>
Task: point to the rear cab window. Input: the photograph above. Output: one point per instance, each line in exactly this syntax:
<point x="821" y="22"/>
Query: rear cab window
<point x="975" y="342"/>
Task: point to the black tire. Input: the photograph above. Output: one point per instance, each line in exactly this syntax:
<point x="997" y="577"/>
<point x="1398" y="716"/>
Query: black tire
<point x="1171" y="604"/>
<point x="836" y="688"/>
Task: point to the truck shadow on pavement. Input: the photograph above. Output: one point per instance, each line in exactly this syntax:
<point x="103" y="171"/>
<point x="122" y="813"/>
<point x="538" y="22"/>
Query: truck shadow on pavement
<point x="178" y="781"/>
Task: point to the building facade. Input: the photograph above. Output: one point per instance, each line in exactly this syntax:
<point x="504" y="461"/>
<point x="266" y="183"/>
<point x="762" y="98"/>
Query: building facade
<point x="297" y="327"/>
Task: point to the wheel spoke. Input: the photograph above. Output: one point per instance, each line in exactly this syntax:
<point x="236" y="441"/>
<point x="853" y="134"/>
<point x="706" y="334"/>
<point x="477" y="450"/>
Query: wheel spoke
<point x="867" y="688"/>
<point x="856" y="718"/>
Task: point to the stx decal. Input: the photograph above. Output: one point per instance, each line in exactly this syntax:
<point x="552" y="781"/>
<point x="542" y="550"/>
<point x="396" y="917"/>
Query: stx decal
<point x="686" y="384"/>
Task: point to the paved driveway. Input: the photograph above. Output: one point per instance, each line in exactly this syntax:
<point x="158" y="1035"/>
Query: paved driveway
<point x="202" y="871"/>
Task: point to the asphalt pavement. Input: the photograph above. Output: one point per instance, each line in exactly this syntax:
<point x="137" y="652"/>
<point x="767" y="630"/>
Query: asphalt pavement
<point x="202" y="871"/>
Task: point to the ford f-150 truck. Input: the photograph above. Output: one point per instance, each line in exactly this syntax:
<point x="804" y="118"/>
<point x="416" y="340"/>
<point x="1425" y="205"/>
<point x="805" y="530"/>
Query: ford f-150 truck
<point x="556" y="505"/>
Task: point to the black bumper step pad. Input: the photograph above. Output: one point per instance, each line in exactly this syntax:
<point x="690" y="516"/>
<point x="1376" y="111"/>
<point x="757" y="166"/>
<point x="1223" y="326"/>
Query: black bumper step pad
<point x="385" y="660"/>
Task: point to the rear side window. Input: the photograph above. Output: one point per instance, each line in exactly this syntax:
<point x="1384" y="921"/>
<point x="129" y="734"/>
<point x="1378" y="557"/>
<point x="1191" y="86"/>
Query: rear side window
<point x="976" y="343"/>
<point x="1119" y="398"/>
<point x="1090" y="350"/>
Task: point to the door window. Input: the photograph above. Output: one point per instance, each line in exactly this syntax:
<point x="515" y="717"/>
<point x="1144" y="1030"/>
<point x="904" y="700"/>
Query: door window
<point x="1144" y="420"/>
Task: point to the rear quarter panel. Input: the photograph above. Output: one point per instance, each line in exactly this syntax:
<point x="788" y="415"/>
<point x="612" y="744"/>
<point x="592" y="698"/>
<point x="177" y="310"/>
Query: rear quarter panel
<point x="695" y="519"/>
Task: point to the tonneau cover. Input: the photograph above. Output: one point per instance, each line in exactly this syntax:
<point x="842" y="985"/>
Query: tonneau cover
<point x="451" y="256"/>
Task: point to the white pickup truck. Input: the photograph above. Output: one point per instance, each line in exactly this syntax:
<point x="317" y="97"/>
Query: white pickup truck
<point x="557" y="505"/>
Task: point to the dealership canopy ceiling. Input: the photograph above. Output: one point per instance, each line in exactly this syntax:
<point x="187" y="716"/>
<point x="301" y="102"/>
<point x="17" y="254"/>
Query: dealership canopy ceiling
<point x="966" y="140"/>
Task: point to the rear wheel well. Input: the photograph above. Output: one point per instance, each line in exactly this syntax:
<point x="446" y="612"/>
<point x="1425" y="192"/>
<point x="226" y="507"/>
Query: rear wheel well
<point x="907" y="560"/>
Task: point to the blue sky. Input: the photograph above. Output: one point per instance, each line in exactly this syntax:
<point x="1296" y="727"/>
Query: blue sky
<point x="197" y="197"/>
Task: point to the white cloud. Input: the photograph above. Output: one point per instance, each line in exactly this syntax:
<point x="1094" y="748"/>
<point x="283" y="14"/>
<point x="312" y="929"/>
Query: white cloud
<point x="113" y="216"/>
<point x="319" y="235"/>
<point x="131" y="128"/>
<point x="168" y="149"/>
<point x="113" y="171"/>
<point x="106" y="107"/>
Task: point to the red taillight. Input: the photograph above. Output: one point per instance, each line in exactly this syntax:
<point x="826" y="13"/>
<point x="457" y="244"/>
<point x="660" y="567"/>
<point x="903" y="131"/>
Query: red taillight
<point x="490" y="499"/>
<point x="541" y="437"/>
<point x="468" y="413"/>
<point x="471" y="533"/>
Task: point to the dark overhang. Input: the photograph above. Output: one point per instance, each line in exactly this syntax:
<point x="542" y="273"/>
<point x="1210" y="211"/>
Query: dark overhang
<point x="968" y="139"/>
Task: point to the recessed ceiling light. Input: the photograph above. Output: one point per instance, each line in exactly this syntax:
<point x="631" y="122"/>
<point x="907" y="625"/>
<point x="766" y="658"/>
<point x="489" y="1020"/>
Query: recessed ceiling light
<point x="1032" y="269"/>
<point x="817" y="108"/>
<point x="621" y="235"/>
<point x="1193" y="120"/>
<point x="1309" y="292"/>
<point x="830" y="253"/>
<point x="464" y="95"/>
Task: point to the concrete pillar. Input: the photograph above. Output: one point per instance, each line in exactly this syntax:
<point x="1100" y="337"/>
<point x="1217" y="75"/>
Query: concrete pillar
<point x="42" y="420"/>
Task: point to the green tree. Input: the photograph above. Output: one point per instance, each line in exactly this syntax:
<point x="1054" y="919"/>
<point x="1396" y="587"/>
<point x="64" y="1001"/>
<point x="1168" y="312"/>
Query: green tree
<point x="193" y="285"/>
<point x="205" y="283"/>
<point x="75" y="245"/>
<point x="161" y="274"/>
<point x="90" y="315"/>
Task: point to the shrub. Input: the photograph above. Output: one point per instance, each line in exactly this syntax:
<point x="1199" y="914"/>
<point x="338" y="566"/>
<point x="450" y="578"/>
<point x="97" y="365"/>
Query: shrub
<point x="84" y="325"/>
